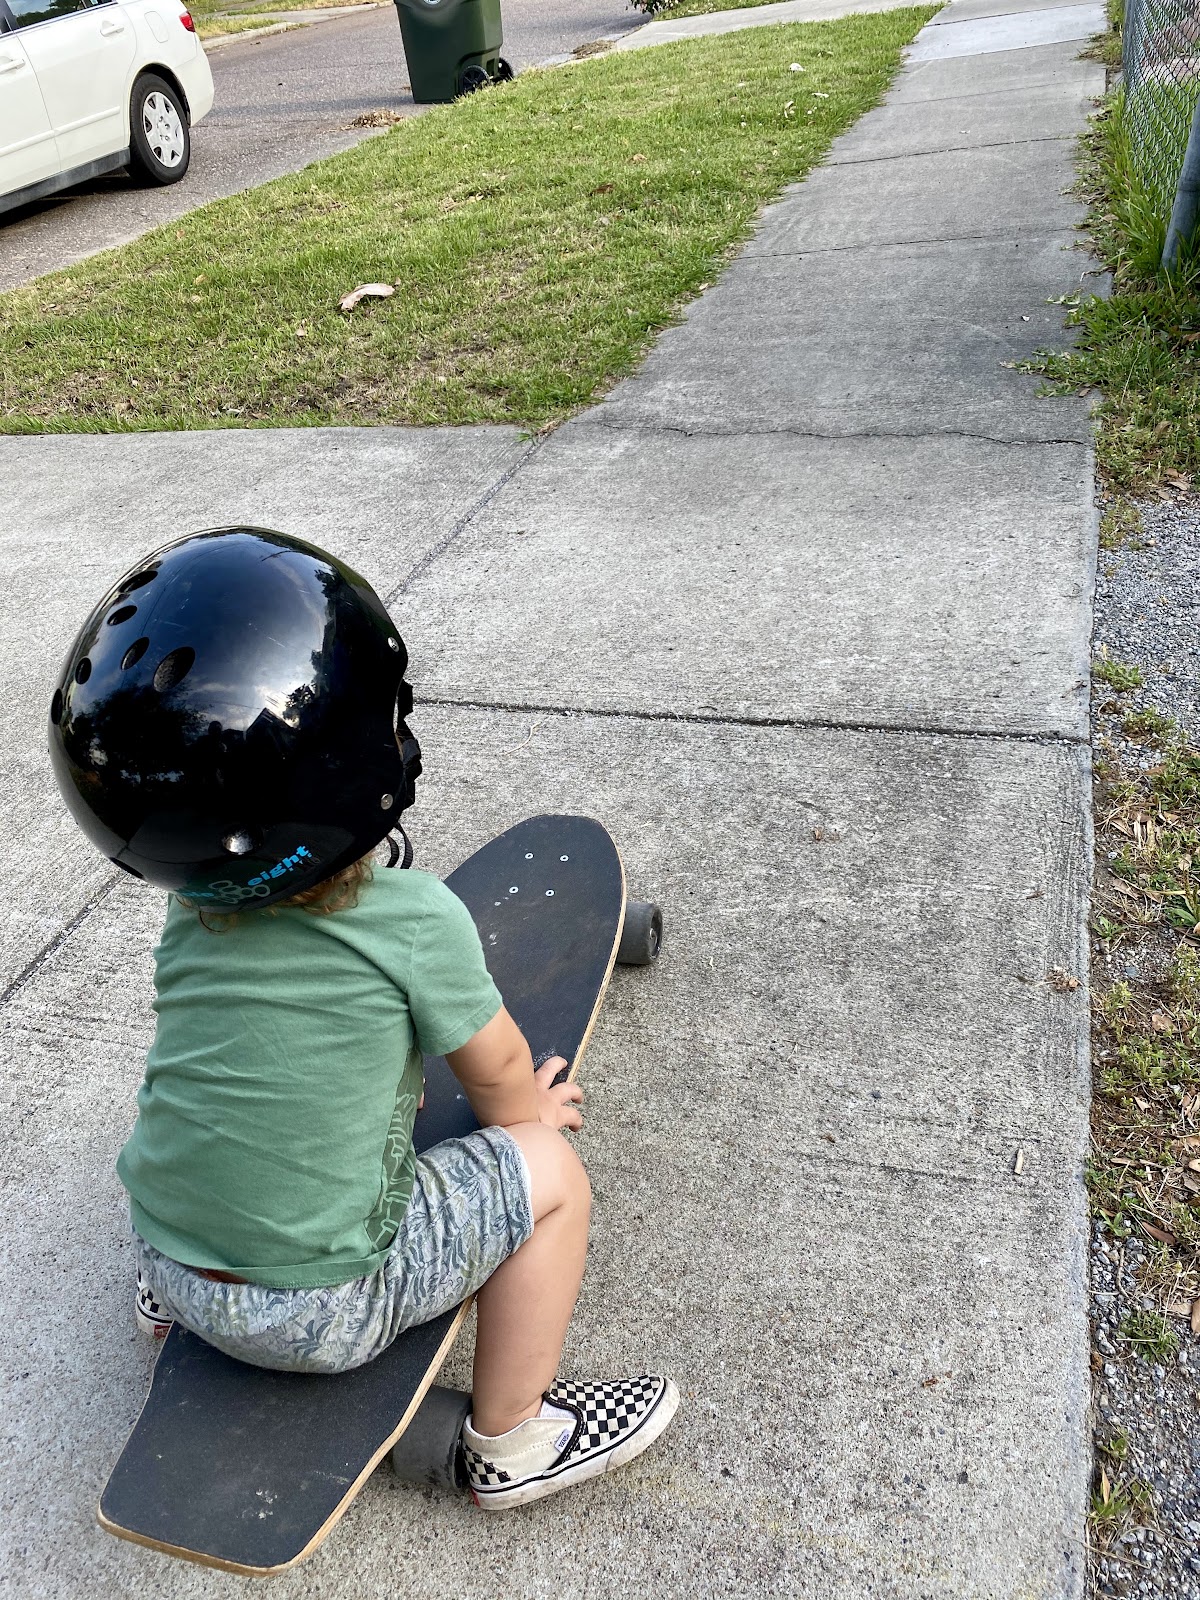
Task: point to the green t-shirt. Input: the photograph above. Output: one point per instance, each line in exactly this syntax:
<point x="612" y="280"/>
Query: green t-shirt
<point x="274" y="1129"/>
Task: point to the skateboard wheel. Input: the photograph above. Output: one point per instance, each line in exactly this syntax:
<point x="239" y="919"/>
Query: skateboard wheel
<point x="641" y="936"/>
<point x="429" y="1451"/>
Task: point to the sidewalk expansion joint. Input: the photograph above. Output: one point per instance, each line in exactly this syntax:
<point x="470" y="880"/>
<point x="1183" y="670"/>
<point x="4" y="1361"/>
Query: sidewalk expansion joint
<point x="37" y="962"/>
<point x="1056" y="81"/>
<point x="443" y="544"/>
<point x="719" y="719"/>
<point x="642" y="426"/>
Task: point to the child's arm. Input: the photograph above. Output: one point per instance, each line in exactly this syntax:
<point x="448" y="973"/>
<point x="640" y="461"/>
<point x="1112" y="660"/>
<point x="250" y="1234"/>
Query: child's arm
<point x="496" y="1069"/>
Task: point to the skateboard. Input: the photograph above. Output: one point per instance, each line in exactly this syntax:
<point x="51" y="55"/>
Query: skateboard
<point x="236" y="1467"/>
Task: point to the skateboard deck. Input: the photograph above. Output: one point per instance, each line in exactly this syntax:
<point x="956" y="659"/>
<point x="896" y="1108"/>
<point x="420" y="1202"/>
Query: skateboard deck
<point x="248" y="1470"/>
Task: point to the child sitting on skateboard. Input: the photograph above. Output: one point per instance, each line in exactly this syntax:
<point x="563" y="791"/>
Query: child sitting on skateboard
<point x="230" y="726"/>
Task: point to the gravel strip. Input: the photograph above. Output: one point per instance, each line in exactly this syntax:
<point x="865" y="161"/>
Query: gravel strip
<point x="1148" y="613"/>
<point x="1155" y="1406"/>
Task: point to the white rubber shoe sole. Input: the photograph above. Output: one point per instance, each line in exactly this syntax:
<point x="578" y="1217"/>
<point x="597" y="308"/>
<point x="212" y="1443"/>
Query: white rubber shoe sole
<point x="150" y="1317"/>
<point x="600" y="1445"/>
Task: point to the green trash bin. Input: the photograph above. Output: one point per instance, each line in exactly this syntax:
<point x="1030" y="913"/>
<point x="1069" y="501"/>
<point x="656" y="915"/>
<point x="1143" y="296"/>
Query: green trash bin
<point x="452" y="46"/>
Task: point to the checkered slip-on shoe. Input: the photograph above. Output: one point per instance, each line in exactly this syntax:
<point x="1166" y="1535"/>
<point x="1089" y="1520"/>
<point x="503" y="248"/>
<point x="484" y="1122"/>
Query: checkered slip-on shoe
<point x="606" y="1426"/>
<point x="150" y="1316"/>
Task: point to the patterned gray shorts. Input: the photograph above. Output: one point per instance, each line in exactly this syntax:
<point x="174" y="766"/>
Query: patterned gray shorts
<point x="470" y="1210"/>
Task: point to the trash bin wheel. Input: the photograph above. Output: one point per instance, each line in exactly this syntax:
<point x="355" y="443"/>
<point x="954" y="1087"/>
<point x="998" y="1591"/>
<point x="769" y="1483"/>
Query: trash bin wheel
<point x="504" y="71"/>
<point x="641" y="937"/>
<point x="429" y="1451"/>
<point x="473" y="78"/>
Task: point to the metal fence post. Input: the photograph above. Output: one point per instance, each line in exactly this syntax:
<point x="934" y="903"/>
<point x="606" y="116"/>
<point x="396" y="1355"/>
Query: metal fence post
<point x="1161" y="68"/>
<point x="1185" y="213"/>
<point x="1131" y="39"/>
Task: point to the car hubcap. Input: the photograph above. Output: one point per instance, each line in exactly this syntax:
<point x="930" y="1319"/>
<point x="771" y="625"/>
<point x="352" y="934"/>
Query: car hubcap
<point x="163" y="128"/>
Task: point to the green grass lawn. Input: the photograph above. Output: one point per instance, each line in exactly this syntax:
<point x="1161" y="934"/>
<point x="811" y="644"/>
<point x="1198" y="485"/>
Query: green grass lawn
<point x="216" y="18"/>
<point x="699" y="8"/>
<point x="218" y="24"/>
<point x="538" y="236"/>
<point x="1138" y="347"/>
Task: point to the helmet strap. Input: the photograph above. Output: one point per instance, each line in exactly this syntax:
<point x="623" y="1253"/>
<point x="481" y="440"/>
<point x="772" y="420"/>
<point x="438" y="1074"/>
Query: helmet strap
<point x="394" y="851"/>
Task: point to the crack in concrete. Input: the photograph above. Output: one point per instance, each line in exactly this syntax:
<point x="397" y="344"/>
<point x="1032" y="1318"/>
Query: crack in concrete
<point x="459" y="527"/>
<point x="1069" y="239"/>
<point x="33" y="966"/>
<point x="642" y="426"/>
<point x="946" y="150"/>
<point x="1005" y="236"/>
<point x="729" y="719"/>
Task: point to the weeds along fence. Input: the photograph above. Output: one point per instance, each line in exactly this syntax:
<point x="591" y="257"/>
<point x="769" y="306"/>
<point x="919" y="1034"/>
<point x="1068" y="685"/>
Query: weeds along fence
<point x="1161" y="73"/>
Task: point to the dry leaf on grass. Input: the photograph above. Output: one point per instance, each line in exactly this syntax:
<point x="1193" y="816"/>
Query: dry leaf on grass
<point x="1162" y="1023"/>
<point x="376" y="291"/>
<point x="1160" y="1234"/>
<point x="1196" y="1316"/>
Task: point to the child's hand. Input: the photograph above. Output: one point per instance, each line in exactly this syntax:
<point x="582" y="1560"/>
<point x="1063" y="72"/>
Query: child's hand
<point x="558" y="1103"/>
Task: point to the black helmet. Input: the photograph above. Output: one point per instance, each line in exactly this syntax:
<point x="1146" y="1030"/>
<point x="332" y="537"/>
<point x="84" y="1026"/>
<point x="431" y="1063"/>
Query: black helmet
<point x="230" y="721"/>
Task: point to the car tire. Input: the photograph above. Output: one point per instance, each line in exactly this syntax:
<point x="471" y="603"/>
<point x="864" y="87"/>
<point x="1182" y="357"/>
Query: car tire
<point x="160" y="142"/>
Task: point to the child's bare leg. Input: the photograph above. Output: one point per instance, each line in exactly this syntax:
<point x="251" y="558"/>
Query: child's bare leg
<point x="526" y="1304"/>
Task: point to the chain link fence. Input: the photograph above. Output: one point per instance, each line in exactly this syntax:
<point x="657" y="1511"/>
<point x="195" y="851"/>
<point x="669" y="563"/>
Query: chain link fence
<point x="1161" y="72"/>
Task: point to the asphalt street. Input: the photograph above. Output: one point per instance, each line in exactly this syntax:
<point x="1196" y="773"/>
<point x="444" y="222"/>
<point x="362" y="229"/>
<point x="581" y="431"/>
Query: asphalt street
<point x="282" y="101"/>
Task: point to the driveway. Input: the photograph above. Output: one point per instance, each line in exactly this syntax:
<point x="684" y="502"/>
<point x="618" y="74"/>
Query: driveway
<point x="282" y="101"/>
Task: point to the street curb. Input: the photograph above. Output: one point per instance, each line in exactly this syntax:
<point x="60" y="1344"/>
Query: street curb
<point x="302" y="19"/>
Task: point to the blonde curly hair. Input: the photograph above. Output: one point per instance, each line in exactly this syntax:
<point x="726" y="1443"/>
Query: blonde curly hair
<point x="337" y="893"/>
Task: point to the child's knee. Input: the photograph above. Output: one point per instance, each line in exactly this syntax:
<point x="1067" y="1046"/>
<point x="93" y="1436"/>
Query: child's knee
<point x="557" y="1175"/>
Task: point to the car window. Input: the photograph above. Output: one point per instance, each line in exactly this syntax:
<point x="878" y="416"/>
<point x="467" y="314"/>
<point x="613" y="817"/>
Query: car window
<point x="25" y="13"/>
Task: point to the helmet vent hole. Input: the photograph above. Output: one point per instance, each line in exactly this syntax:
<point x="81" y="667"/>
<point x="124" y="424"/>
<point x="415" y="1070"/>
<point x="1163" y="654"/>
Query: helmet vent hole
<point x="134" y="654"/>
<point x="56" y="706"/>
<point x="174" y="668"/>
<point x="122" y="614"/>
<point x="83" y="671"/>
<point x="240" y="842"/>
<point x="139" y="580"/>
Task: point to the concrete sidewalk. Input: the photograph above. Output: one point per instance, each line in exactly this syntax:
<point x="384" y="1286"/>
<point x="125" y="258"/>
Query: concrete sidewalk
<point x="801" y="611"/>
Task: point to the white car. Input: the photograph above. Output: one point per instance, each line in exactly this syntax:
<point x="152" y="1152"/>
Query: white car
<point x="90" y="85"/>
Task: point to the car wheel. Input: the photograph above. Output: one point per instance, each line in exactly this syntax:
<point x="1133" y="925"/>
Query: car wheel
<point x="160" y="145"/>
